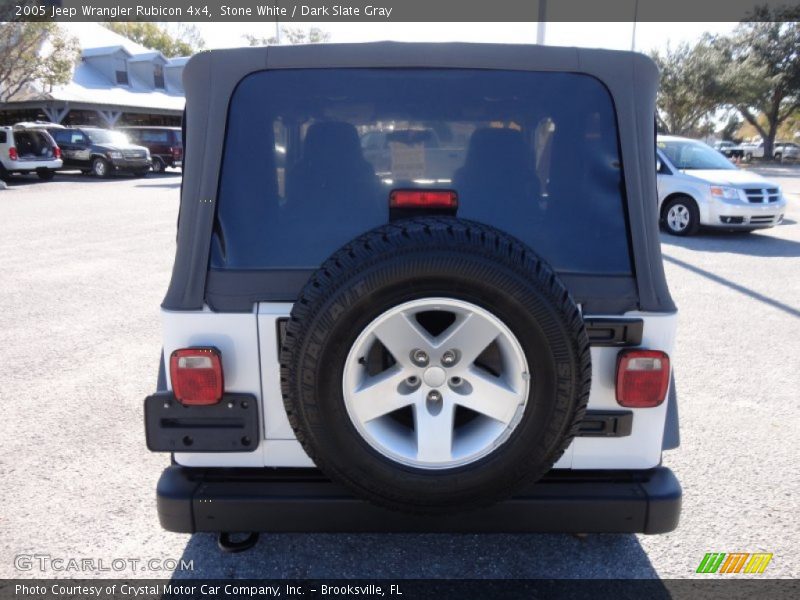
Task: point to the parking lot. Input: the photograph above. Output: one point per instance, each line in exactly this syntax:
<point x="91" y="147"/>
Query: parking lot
<point x="84" y="264"/>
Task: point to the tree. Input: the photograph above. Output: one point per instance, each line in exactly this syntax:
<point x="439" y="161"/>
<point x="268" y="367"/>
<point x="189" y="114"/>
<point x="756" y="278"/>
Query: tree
<point x="34" y="54"/>
<point x="689" y="89"/>
<point x="292" y="35"/>
<point x="184" y="41"/>
<point x="730" y="131"/>
<point x="763" y="73"/>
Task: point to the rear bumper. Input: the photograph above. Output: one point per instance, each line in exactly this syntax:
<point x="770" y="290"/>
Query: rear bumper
<point x="302" y="500"/>
<point x="29" y="166"/>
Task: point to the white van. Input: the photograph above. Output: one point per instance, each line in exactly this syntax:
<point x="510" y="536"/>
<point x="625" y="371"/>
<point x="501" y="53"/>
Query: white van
<point x="698" y="186"/>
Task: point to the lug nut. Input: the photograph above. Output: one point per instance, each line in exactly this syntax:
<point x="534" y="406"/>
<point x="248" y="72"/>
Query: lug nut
<point x="456" y="381"/>
<point x="434" y="396"/>
<point x="449" y="358"/>
<point x="413" y="380"/>
<point x="419" y="357"/>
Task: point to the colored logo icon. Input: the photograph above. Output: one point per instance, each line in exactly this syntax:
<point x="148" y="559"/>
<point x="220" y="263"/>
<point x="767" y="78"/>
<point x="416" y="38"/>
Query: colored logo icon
<point x="734" y="562"/>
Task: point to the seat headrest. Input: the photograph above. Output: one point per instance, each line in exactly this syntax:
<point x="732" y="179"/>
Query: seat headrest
<point x="497" y="146"/>
<point x="333" y="140"/>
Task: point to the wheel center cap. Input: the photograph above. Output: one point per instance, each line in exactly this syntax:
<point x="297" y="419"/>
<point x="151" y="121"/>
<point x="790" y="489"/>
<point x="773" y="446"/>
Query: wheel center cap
<point x="434" y="376"/>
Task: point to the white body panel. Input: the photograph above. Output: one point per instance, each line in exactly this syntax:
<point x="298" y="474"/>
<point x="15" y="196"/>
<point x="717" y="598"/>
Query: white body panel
<point x="248" y="343"/>
<point x="641" y="449"/>
<point x="236" y="337"/>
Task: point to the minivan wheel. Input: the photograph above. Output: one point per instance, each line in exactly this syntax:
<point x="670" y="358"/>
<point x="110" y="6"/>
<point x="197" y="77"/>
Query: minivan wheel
<point x="100" y="167"/>
<point x="681" y="217"/>
<point x="434" y="365"/>
<point x="158" y="165"/>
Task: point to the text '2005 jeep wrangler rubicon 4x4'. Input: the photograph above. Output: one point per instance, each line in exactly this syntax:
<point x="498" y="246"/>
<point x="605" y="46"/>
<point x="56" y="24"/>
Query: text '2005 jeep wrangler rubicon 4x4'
<point x="466" y="335"/>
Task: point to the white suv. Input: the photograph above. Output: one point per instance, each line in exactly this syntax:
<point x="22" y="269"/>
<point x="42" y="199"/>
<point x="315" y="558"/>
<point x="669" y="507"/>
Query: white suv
<point x="698" y="186"/>
<point x="28" y="148"/>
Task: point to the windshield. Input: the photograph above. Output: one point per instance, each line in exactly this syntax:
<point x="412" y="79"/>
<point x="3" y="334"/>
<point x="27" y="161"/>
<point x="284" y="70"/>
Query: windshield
<point x="103" y="136"/>
<point x="688" y="154"/>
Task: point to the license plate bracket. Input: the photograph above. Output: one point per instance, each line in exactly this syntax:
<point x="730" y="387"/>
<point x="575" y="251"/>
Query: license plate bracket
<point x="229" y="426"/>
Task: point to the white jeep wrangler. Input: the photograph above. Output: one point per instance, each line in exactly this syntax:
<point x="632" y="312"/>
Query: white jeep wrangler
<point x="473" y="344"/>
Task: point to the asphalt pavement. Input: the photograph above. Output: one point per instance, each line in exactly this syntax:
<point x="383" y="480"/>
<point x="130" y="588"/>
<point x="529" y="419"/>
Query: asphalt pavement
<point x="84" y="264"/>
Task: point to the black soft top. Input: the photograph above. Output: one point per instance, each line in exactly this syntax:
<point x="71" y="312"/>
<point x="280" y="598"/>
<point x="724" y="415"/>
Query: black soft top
<point x="210" y="79"/>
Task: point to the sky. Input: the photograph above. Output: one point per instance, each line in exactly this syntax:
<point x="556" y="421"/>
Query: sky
<point x="617" y="36"/>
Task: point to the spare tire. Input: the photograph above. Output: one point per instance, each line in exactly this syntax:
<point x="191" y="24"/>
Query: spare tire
<point x="435" y="364"/>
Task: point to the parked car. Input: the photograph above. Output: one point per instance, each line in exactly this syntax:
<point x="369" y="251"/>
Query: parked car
<point x="786" y="151"/>
<point x="729" y="149"/>
<point x="428" y="344"/>
<point x="28" y="148"/>
<point x="100" y="151"/>
<point x="751" y="150"/>
<point x="698" y="187"/>
<point x="164" y="143"/>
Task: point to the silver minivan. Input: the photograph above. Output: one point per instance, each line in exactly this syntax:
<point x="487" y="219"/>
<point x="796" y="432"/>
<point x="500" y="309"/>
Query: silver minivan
<point x="698" y="186"/>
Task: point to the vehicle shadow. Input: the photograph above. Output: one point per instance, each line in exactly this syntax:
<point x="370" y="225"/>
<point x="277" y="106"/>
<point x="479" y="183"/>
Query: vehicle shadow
<point x="789" y="310"/>
<point x="423" y="556"/>
<point x="22" y="181"/>
<point x="753" y="244"/>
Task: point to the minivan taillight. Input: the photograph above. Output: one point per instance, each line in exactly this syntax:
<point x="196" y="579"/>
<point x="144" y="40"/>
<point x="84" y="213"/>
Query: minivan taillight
<point x="642" y="378"/>
<point x="12" y="153"/>
<point x="196" y="375"/>
<point x="57" y="152"/>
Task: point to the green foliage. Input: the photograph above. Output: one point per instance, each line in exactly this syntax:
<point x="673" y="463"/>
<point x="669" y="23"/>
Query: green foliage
<point x="185" y="40"/>
<point x="730" y="131"/>
<point x="754" y="70"/>
<point x="762" y="76"/>
<point x="689" y="89"/>
<point x="34" y="54"/>
<point x="291" y="35"/>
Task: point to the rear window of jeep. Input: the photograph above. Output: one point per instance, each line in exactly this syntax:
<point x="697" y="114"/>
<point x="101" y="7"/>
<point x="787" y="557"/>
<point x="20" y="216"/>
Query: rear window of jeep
<point x="311" y="156"/>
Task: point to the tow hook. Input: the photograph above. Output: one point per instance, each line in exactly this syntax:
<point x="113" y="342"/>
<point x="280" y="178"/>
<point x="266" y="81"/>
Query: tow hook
<point x="226" y="542"/>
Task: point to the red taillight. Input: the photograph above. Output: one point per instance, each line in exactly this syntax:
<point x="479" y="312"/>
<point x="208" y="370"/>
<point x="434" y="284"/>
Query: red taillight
<point x="176" y="152"/>
<point x="196" y="375"/>
<point x="423" y="199"/>
<point x="57" y="152"/>
<point x="12" y="153"/>
<point x="642" y="378"/>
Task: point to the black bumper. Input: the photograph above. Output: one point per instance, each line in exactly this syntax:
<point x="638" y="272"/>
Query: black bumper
<point x="302" y="500"/>
<point x="131" y="164"/>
